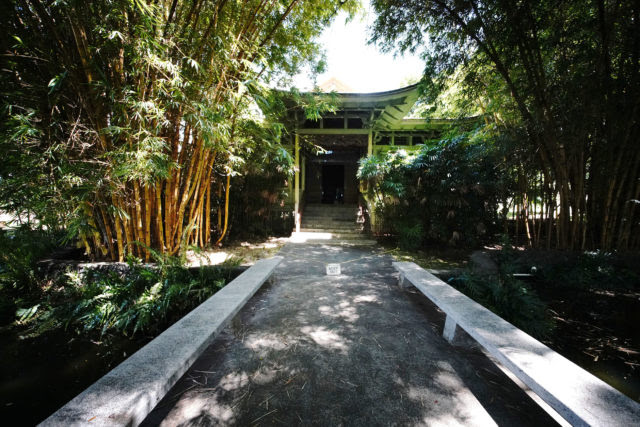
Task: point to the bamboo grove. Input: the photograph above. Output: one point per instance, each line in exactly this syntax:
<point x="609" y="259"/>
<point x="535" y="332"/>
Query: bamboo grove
<point x="560" y="81"/>
<point x="130" y="115"/>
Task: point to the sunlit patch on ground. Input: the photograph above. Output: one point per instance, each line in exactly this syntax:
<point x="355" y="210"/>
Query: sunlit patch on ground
<point x="365" y="298"/>
<point x="237" y="253"/>
<point x="205" y="408"/>
<point x="344" y="311"/>
<point x="234" y="381"/>
<point x="262" y="342"/>
<point x="325" y="338"/>
<point x="302" y="236"/>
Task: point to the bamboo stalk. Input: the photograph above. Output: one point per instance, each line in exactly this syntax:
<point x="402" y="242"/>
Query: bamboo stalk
<point x="226" y="210"/>
<point x="159" y="228"/>
<point x="118" y="226"/>
<point x="108" y="232"/>
<point x="219" y="207"/>
<point x="207" y="214"/>
<point x="148" y="203"/>
<point x="128" y="229"/>
<point x="192" y="184"/>
<point x="137" y="203"/>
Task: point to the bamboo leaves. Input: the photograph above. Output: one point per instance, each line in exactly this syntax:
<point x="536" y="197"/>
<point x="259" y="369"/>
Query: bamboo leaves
<point x="157" y="97"/>
<point x="561" y="80"/>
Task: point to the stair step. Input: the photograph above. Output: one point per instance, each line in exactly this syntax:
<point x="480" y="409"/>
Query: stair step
<point x="334" y="232"/>
<point x="328" y="224"/>
<point x="342" y="216"/>
<point x="331" y="205"/>
<point x="336" y="242"/>
<point x="331" y="238"/>
<point x="331" y="208"/>
<point x="345" y="218"/>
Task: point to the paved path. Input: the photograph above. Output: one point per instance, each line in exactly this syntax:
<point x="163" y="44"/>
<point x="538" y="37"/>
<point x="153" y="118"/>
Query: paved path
<point x="353" y="349"/>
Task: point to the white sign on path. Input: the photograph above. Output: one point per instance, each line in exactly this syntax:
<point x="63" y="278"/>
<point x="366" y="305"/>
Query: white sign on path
<point x="333" y="269"/>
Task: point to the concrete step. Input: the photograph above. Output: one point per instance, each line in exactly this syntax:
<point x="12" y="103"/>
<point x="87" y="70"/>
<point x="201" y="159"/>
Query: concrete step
<point x="338" y="233"/>
<point x="337" y="242"/>
<point x="330" y="221"/>
<point x="331" y="208"/>
<point x="324" y="209"/>
<point x="332" y="205"/>
<point x="316" y="218"/>
<point x="327" y="238"/>
<point x="329" y="230"/>
<point x="330" y="217"/>
<point x="330" y="213"/>
<point x="322" y="225"/>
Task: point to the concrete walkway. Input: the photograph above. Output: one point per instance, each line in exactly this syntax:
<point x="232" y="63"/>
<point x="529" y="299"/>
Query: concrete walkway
<point x="353" y="349"/>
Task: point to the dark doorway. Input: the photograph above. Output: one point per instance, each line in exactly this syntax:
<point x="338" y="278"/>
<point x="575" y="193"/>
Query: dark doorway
<point x="332" y="183"/>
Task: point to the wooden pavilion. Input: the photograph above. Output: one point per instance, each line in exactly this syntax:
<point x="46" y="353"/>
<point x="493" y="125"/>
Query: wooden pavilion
<point x="327" y="150"/>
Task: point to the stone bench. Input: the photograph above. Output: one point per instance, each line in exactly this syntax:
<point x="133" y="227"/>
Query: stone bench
<point x="127" y="394"/>
<point x="575" y="394"/>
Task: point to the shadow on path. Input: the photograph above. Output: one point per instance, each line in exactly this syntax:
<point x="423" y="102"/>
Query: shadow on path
<point x="353" y="349"/>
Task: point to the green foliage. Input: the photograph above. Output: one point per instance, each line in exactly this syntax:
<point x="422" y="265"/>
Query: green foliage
<point x="106" y="103"/>
<point x="25" y="314"/>
<point x="29" y="168"/>
<point x="446" y="192"/>
<point x="410" y="235"/>
<point x="505" y="295"/>
<point x="262" y="168"/>
<point x="509" y="298"/>
<point x="258" y="206"/>
<point x="590" y="270"/>
<point x="143" y="299"/>
<point x="560" y="79"/>
<point x="113" y="300"/>
<point x="20" y="250"/>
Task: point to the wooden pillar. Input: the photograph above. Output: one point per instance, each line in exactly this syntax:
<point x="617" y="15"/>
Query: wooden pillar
<point x="370" y="143"/>
<point x="297" y="182"/>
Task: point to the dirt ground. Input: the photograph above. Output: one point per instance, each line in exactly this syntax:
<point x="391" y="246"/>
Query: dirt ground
<point x="353" y="349"/>
<point x="236" y="252"/>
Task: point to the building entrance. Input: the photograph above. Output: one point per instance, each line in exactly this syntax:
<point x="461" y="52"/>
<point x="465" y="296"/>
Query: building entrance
<point x="332" y="183"/>
<point x="330" y="176"/>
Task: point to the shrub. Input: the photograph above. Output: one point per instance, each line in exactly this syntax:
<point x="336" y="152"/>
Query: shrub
<point x="142" y="299"/>
<point x="410" y="235"/>
<point x="451" y="188"/>
<point x="20" y="250"/>
<point x="590" y="270"/>
<point x="509" y="298"/>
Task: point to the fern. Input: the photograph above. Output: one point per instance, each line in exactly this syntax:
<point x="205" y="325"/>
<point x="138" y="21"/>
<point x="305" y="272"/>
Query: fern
<point x="142" y="300"/>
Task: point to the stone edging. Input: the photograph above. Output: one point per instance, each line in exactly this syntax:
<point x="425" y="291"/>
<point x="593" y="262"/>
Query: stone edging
<point x="578" y="396"/>
<point x="127" y="394"/>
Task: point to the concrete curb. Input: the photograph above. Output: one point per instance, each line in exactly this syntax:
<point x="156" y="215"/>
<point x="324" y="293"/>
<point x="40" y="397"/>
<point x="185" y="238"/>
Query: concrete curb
<point x="127" y="394"/>
<point x="578" y="396"/>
